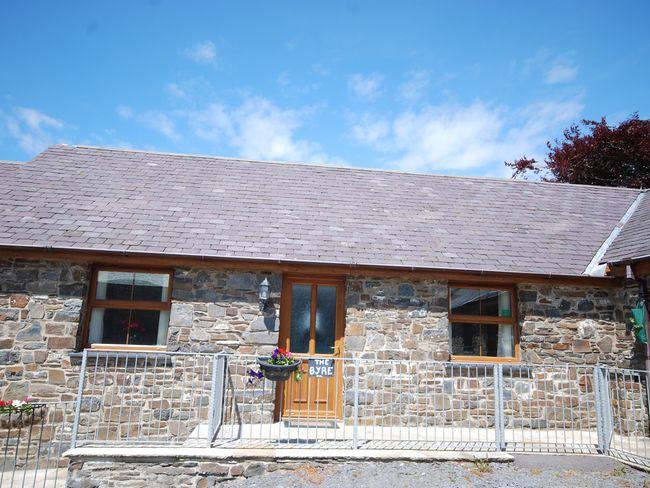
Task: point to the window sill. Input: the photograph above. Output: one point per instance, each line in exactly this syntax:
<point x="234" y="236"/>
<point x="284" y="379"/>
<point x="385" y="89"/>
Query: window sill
<point x="126" y="348"/>
<point x="483" y="359"/>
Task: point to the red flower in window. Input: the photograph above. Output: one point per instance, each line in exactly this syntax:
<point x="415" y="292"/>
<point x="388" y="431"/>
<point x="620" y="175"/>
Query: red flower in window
<point x="132" y="326"/>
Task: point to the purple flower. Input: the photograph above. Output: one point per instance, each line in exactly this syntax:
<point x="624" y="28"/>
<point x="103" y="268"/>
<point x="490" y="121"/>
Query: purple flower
<point x="254" y="375"/>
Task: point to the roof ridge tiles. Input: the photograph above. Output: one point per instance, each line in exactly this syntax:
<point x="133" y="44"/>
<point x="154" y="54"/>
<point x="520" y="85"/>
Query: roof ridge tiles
<point x="340" y="167"/>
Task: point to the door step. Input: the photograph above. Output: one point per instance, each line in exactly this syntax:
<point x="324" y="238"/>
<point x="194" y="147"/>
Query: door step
<point x="313" y="423"/>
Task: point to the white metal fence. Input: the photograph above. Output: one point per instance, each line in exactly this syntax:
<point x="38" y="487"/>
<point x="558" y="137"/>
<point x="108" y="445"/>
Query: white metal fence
<point x="31" y="445"/>
<point x="209" y="400"/>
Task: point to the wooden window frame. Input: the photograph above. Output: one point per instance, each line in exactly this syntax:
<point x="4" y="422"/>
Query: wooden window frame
<point x="478" y="319"/>
<point x="93" y="302"/>
<point x="285" y="311"/>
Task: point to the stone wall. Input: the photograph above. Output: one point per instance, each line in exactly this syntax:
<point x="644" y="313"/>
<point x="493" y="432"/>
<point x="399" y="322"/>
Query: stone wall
<point x="576" y="325"/>
<point x="194" y="473"/>
<point x="218" y="310"/>
<point x="40" y="306"/>
<point x="393" y="319"/>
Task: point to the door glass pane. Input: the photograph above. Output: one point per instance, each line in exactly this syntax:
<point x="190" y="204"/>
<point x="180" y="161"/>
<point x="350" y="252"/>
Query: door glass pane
<point x="325" y="319"/>
<point x="300" y="317"/>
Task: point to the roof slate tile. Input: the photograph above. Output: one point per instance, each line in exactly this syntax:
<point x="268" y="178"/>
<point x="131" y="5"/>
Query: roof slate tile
<point x="80" y="197"/>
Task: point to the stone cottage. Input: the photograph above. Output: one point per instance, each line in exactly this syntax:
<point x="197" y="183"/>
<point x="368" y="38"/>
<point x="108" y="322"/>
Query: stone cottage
<point x="141" y="251"/>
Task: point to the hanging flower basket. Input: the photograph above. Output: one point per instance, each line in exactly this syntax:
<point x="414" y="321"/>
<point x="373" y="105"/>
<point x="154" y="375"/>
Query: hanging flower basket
<point x="277" y="372"/>
<point x="277" y="367"/>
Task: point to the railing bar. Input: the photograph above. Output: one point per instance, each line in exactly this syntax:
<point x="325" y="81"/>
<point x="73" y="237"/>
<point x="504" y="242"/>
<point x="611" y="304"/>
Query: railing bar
<point x="58" y="453"/>
<point x="49" y="446"/>
<point x="80" y="387"/>
<point x="579" y="404"/>
<point x="29" y="445"/>
<point x="4" y="458"/>
<point x="20" y="429"/>
<point x="636" y="424"/>
<point x="90" y="406"/>
<point x="588" y="402"/>
<point x="154" y="385"/>
<point x="40" y="440"/>
<point x="619" y="415"/>
<point x="115" y="386"/>
<point x="143" y="382"/>
<point x="123" y="399"/>
<point x="131" y="387"/>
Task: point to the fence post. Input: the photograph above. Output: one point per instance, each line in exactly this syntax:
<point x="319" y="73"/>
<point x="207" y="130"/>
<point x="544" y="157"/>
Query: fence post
<point x="603" y="408"/>
<point x="216" y="396"/>
<point x="355" y="427"/>
<point x="77" y="408"/>
<point x="499" y="418"/>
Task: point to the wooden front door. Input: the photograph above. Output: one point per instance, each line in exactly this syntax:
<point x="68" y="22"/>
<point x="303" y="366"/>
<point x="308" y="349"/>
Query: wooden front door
<point x="311" y="327"/>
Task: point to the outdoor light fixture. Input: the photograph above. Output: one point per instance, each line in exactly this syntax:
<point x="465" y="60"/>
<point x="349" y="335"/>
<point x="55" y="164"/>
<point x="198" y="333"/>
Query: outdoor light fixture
<point x="265" y="293"/>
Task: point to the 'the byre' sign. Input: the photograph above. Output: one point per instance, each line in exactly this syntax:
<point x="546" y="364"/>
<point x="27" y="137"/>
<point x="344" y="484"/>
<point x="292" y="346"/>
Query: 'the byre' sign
<point x="321" y="367"/>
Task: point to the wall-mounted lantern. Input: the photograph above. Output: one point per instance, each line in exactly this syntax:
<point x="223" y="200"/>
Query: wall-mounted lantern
<point x="265" y="294"/>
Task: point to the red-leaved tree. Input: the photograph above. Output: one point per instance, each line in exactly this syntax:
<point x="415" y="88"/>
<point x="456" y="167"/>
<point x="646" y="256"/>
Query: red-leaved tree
<point x="595" y="154"/>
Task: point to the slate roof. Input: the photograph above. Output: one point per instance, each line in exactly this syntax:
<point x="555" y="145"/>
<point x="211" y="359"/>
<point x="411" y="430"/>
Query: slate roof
<point x="75" y="197"/>
<point x="633" y="242"/>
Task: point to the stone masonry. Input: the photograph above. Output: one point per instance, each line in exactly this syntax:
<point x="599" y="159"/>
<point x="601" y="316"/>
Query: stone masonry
<point x="218" y="310"/>
<point x="576" y="325"/>
<point x="393" y="319"/>
<point x="40" y="309"/>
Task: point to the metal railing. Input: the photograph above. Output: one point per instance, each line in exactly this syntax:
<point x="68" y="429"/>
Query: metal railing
<point x="143" y="398"/>
<point x="210" y="400"/>
<point x="625" y="429"/>
<point x="32" y="443"/>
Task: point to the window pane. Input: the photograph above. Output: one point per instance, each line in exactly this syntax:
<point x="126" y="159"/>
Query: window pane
<point x="300" y="317"/>
<point x="111" y="322"/>
<point x="472" y="301"/>
<point x="151" y="287"/>
<point x="120" y="285"/>
<point x="123" y="326"/>
<point x="143" y="327"/>
<point x="466" y="301"/>
<point x="114" y="285"/>
<point x="325" y="319"/>
<point x="482" y="340"/>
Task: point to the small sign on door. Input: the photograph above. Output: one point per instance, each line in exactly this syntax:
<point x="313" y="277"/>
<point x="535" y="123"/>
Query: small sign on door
<point x="321" y="368"/>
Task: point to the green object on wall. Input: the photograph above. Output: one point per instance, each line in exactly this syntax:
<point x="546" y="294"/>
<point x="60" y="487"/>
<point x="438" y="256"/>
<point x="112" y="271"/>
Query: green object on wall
<point x="638" y="319"/>
<point x="639" y="315"/>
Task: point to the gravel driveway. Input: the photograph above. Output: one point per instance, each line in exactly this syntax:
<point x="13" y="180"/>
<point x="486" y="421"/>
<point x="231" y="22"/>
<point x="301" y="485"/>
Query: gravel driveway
<point x="525" y="471"/>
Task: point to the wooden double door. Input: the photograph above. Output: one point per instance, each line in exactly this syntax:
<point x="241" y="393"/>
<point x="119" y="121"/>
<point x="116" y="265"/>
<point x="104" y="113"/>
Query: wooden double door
<point x="312" y="323"/>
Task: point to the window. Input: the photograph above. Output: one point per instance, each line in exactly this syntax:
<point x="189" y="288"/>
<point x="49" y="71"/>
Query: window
<point x="483" y="322"/>
<point x="129" y="308"/>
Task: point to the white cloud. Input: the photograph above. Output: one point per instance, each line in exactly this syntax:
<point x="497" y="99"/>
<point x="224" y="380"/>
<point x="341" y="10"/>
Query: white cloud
<point x="176" y="92"/>
<point x="31" y="128"/>
<point x="204" y="52"/>
<point x="369" y="129"/>
<point x="152" y="119"/>
<point x="561" y="73"/>
<point x="475" y="138"/>
<point x="415" y="85"/>
<point x="367" y="88"/>
<point x="258" y="129"/>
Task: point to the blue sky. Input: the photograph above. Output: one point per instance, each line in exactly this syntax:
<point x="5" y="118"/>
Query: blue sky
<point x="446" y="87"/>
